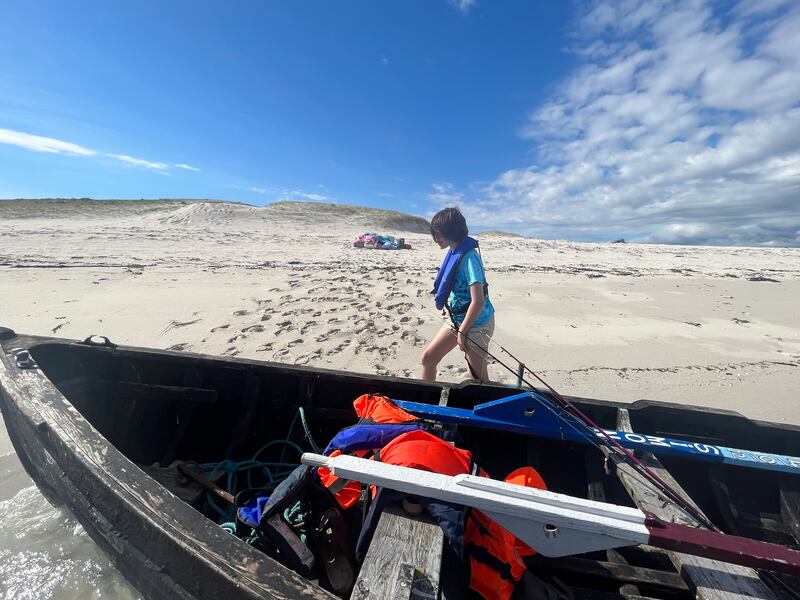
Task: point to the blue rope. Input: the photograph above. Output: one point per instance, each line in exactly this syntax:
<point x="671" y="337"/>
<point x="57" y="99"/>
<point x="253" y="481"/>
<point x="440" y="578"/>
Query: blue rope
<point x="310" y="439"/>
<point x="274" y="471"/>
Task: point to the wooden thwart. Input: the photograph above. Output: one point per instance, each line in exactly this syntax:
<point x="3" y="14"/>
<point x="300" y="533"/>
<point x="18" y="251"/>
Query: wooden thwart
<point x="622" y="573"/>
<point x="711" y="579"/>
<point x="403" y="560"/>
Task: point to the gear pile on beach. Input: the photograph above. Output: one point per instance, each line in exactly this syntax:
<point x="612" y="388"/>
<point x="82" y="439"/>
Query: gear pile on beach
<point x="376" y="241"/>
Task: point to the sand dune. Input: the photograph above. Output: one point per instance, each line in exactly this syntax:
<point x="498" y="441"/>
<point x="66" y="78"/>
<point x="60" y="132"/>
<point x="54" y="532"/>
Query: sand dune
<point x="203" y="213"/>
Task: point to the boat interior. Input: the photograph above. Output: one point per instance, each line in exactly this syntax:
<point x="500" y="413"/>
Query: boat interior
<point x="162" y="410"/>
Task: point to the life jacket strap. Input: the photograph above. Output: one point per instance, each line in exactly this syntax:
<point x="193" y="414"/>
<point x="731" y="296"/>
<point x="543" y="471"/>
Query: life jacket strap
<point x="482" y="555"/>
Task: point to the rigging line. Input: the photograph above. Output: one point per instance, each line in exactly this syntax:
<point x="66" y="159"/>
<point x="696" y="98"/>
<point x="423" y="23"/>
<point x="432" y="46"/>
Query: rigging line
<point x="632" y="459"/>
<point x="581" y="430"/>
<point x="615" y="446"/>
<point x="592" y="439"/>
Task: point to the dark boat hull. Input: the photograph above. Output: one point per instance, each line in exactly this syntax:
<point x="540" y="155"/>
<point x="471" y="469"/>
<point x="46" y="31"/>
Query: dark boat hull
<point x="163" y="547"/>
<point x="166" y="548"/>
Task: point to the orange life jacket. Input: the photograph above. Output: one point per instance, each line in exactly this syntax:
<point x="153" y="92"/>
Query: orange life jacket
<point x="495" y="555"/>
<point x="370" y="408"/>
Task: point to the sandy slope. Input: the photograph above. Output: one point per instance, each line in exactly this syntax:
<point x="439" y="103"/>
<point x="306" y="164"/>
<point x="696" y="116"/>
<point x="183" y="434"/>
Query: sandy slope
<point x="283" y="283"/>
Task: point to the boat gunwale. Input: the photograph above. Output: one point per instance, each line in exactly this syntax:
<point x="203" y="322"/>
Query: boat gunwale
<point x="29" y="342"/>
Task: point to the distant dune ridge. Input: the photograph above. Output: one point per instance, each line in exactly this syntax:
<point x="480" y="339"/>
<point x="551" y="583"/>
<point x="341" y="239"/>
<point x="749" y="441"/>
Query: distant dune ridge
<point x="499" y="234"/>
<point x="213" y="212"/>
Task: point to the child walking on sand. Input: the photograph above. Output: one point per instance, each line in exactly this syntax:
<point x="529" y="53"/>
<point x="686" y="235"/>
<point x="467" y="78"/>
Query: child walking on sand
<point x="461" y="289"/>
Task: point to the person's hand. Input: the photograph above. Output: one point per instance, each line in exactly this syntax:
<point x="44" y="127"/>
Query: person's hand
<point x="462" y="340"/>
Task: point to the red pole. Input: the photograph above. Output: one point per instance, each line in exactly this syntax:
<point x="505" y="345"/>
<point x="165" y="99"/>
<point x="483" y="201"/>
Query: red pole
<point x="722" y="547"/>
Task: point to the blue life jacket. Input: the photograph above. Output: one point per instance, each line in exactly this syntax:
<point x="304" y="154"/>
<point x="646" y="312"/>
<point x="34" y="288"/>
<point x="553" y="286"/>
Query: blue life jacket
<point x="367" y="436"/>
<point x="446" y="278"/>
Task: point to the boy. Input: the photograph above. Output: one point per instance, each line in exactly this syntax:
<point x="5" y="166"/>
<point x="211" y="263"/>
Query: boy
<point x="461" y="288"/>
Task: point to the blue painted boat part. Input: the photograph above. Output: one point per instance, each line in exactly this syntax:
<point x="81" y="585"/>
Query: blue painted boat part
<point x="532" y="414"/>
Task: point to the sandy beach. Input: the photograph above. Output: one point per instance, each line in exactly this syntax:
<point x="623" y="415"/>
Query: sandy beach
<point x="708" y="326"/>
<point x="715" y="327"/>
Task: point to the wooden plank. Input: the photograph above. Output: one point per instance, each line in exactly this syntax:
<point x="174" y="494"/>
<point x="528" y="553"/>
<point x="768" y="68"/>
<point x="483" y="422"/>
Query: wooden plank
<point x="790" y="504"/>
<point x="710" y="579"/>
<point x="596" y="491"/>
<point x="181" y="486"/>
<point x="600" y="569"/>
<point x="765" y="526"/>
<point x="586" y="594"/>
<point x="403" y="560"/>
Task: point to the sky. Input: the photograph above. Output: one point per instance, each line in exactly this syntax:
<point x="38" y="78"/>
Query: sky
<point x="670" y="122"/>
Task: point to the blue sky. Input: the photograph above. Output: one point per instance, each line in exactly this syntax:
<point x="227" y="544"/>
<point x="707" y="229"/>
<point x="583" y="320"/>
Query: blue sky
<point x="675" y="121"/>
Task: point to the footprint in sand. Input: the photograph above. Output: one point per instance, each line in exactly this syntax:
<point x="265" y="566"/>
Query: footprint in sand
<point x="179" y="347"/>
<point x="294" y="343"/>
<point x="325" y="336"/>
<point x="265" y="347"/>
<point x="253" y="329"/>
<point x="219" y="327"/>
<point x="304" y="359"/>
<point x="339" y="348"/>
<point x="308" y="325"/>
<point x="241" y="312"/>
<point x="280" y="353"/>
<point x="283" y="327"/>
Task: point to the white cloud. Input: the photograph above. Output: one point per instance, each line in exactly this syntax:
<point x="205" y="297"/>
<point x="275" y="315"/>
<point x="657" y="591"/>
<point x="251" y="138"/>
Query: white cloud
<point x="38" y="143"/>
<point x="286" y="194"/>
<point x="186" y="167"/>
<point x="139" y="162"/>
<point x="306" y="195"/>
<point x="681" y="125"/>
<point x="463" y="5"/>
<point x="444" y="194"/>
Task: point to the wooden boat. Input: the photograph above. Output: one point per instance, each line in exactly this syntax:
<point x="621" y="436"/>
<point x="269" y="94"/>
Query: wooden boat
<point x="101" y="429"/>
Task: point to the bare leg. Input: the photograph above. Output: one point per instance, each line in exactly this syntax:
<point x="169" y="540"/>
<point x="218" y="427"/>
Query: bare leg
<point x="477" y="362"/>
<point x="442" y="343"/>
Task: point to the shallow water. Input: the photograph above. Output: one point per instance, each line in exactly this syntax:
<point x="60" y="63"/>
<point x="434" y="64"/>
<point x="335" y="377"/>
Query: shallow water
<point x="44" y="552"/>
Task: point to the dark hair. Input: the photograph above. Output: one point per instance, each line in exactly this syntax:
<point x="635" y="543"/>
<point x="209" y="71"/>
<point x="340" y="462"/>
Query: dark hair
<point x="450" y="225"/>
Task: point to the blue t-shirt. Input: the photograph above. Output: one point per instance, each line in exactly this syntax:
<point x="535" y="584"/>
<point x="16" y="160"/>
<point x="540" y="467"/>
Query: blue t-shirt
<point x="470" y="271"/>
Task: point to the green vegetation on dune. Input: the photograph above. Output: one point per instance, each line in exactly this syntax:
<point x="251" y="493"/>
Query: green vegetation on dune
<point x="389" y="219"/>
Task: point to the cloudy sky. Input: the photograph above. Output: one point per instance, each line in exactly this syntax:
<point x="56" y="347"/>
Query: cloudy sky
<point x="672" y="122"/>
